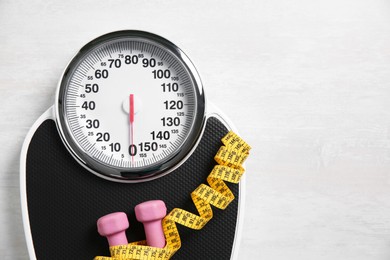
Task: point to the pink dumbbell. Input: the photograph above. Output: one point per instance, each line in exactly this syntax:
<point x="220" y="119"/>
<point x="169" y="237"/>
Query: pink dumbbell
<point x="150" y="213"/>
<point x="113" y="226"/>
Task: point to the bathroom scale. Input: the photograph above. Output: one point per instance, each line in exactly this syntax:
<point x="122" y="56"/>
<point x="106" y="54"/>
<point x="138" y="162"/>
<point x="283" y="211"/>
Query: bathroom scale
<point x="130" y="123"/>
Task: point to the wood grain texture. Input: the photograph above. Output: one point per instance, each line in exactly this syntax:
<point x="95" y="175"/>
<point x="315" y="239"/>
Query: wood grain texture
<point x="306" y="82"/>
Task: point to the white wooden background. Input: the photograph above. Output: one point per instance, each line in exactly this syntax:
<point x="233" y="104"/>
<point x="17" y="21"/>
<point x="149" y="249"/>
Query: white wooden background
<point x="306" y="82"/>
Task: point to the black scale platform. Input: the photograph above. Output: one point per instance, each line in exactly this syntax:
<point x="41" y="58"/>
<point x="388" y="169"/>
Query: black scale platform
<point x="65" y="200"/>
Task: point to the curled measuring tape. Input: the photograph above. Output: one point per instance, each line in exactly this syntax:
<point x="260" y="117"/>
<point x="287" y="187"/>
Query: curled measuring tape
<point x="230" y="158"/>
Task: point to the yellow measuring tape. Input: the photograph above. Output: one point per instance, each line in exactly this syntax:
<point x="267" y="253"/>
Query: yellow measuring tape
<point x="230" y="158"/>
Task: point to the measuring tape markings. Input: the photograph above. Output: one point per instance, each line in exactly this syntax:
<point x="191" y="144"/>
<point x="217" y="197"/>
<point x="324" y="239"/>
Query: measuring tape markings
<point x="230" y="158"/>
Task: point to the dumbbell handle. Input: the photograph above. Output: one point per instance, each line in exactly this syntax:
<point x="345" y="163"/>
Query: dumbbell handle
<point x="117" y="239"/>
<point x="154" y="233"/>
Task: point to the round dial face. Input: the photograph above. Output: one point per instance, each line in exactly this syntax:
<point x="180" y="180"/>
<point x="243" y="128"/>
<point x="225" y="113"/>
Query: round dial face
<point x="130" y="105"/>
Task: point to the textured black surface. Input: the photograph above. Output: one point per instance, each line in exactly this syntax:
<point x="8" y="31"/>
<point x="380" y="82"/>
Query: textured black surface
<point x="65" y="200"/>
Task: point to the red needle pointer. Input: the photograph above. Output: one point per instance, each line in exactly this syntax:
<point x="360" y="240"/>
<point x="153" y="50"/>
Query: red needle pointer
<point x="131" y="119"/>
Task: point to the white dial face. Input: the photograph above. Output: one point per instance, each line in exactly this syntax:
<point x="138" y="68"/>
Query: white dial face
<point x="129" y="103"/>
